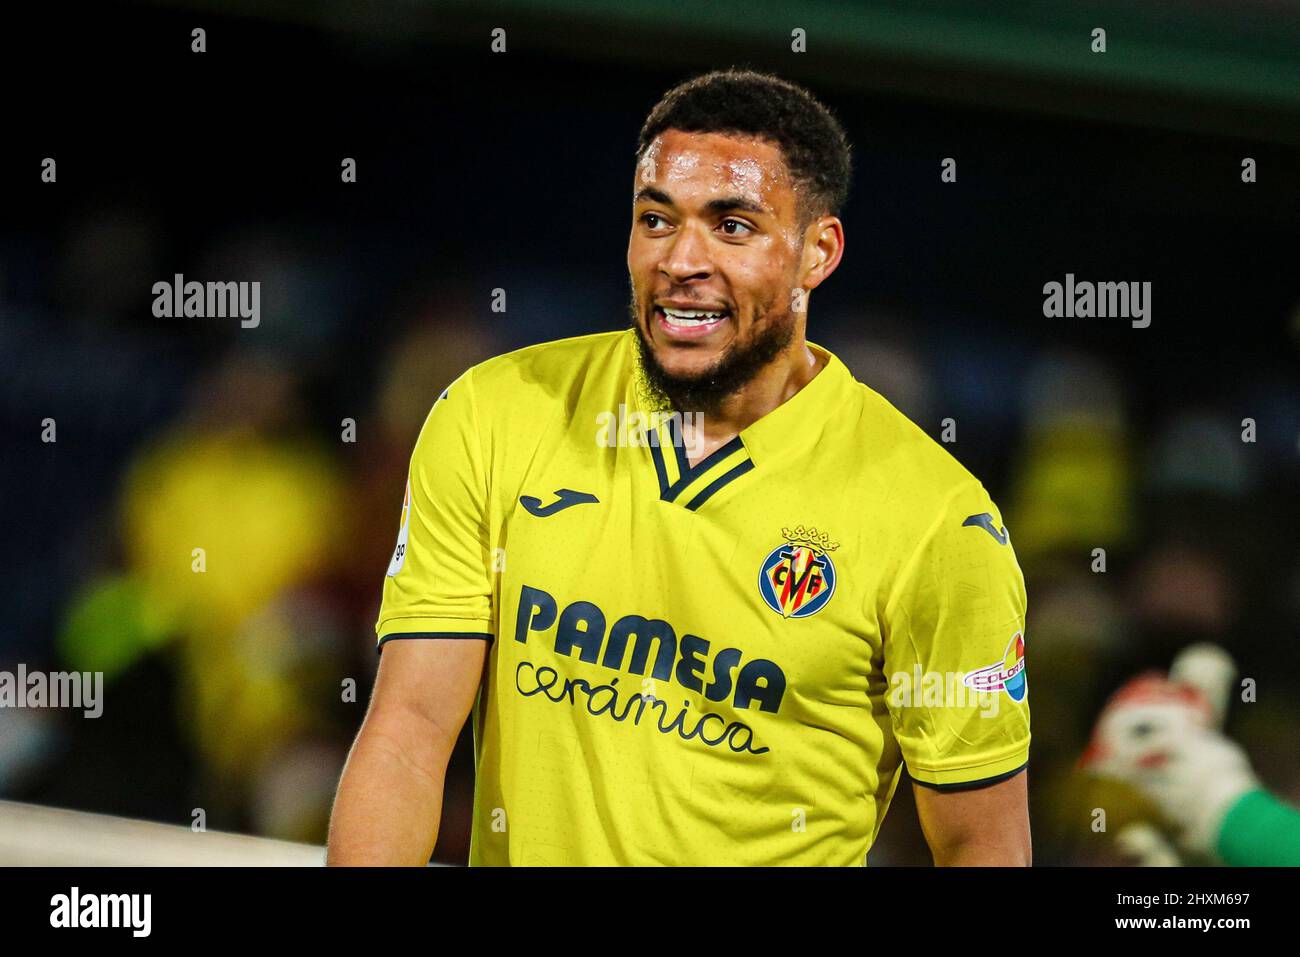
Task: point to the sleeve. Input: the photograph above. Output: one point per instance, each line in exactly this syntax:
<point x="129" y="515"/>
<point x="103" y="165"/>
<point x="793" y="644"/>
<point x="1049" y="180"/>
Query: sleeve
<point x="1260" y="831"/>
<point x="439" y="582"/>
<point x="954" y="643"/>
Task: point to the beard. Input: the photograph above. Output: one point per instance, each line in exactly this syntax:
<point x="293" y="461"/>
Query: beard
<point x="705" y="391"/>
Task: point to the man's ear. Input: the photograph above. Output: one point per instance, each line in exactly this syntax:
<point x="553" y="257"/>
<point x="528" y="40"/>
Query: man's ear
<point x="823" y="248"/>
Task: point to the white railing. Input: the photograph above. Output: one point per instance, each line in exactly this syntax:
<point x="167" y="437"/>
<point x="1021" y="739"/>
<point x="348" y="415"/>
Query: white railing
<point x="31" y="835"/>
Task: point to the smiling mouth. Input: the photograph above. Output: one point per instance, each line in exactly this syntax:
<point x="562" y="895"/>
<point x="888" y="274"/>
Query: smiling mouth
<point x="689" y="323"/>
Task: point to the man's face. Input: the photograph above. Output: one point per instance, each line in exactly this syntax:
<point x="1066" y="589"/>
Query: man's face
<point x="713" y="258"/>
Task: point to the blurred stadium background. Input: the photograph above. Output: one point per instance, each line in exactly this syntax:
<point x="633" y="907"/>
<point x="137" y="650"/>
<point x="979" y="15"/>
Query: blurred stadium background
<point x="481" y="171"/>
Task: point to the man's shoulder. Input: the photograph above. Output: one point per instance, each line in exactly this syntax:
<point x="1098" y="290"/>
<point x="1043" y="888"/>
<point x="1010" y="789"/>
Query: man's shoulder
<point x="901" y="455"/>
<point x="525" y="392"/>
<point x="917" y="488"/>
<point x="557" y="359"/>
<point x="547" y="368"/>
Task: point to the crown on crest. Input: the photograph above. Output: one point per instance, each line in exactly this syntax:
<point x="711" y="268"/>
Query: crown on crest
<point x="820" y="541"/>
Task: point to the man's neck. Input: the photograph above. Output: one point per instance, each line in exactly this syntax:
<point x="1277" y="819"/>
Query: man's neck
<point x="775" y="384"/>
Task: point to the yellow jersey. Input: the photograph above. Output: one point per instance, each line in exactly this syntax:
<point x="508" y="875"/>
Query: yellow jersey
<point x="719" y="664"/>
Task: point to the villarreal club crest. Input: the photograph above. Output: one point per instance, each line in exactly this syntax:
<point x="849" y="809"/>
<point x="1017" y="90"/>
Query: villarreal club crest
<point x="798" y="577"/>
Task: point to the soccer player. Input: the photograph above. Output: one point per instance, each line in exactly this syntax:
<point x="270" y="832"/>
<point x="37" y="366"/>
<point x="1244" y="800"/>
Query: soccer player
<point x="703" y="592"/>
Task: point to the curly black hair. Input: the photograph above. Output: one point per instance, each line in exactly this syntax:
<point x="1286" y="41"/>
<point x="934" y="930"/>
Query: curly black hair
<point x="814" y="145"/>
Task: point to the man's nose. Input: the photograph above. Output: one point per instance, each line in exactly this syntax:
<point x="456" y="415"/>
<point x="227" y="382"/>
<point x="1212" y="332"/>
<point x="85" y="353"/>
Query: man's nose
<point x="687" y="256"/>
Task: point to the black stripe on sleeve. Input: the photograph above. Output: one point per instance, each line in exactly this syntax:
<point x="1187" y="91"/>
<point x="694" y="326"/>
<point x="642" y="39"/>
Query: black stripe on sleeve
<point x="972" y="785"/>
<point x="432" y="634"/>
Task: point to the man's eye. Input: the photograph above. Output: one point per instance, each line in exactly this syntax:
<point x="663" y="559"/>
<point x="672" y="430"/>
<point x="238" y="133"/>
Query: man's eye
<point x="736" y="222"/>
<point x="649" y="216"/>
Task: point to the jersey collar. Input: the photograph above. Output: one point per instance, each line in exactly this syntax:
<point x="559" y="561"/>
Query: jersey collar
<point x="789" y="429"/>
<point x="796" y="423"/>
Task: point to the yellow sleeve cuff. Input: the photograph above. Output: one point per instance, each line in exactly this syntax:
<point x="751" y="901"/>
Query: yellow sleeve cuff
<point x="959" y="777"/>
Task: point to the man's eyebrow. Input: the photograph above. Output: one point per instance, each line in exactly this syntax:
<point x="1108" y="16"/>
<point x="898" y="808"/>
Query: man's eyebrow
<point x="654" y="195"/>
<point x="724" y="204"/>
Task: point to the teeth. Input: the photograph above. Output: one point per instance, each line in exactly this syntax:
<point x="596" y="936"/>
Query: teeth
<point x="690" y="317"/>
